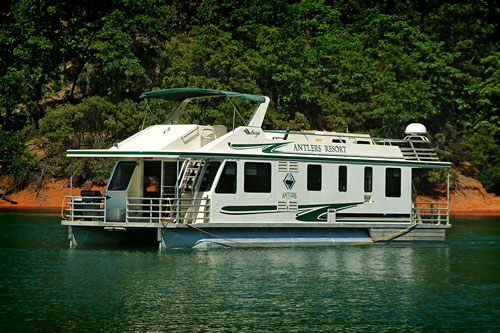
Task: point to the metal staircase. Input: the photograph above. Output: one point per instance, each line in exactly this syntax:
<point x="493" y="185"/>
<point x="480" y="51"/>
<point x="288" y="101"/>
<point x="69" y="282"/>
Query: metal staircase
<point x="188" y="185"/>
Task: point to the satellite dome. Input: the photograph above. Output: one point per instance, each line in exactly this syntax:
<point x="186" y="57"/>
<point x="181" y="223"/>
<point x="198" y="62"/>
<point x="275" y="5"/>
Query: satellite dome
<point x="416" y="128"/>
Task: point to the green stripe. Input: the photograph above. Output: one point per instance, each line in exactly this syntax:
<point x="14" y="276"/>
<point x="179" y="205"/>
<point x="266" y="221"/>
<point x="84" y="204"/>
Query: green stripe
<point x="305" y="213"/>
<point x="373" y="221"/>
<point x="345" y="159"/>
<point x="248" y="208"/>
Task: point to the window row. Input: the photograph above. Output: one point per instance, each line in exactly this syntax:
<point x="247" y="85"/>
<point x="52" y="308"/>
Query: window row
<point x="257" y="179"/>
<point x="392" y="179"/>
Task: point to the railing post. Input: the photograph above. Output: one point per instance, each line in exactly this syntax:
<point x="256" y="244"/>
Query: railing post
<point x="439" y="213"/>
<point x="72" y="205"/>
<point x="432" y="210"/>
<point x="448" y="198"/>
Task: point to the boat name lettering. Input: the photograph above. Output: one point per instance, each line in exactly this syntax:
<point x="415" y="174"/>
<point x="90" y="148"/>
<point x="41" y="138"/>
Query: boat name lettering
<point x="335" y="149"/>
<point x="289" y="195"/>
<point x="306" y="147"/>
<point x="318" y="148"/>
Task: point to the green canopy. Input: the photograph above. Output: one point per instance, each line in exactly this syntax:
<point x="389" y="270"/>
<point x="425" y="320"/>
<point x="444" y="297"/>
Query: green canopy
<point x="181" y="94"/>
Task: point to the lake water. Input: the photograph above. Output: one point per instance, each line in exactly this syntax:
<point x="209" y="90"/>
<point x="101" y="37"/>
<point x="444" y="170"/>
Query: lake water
<point x="44" y="286"/>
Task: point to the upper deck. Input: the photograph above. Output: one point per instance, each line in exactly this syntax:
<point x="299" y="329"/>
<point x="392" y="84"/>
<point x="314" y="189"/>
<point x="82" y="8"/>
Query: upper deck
<point x="172" y="140"/>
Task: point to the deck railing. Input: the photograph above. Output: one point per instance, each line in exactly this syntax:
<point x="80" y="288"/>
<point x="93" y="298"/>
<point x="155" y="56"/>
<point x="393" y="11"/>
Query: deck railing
<point x="430" y="212"/>
<point x="140" y="209"/>
<point x="167" y="210"/>
<point x="412" y="150"/>
<point x="85" y="209"/>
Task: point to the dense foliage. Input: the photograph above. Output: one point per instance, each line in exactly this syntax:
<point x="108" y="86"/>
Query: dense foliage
<point x="71" y="72"/>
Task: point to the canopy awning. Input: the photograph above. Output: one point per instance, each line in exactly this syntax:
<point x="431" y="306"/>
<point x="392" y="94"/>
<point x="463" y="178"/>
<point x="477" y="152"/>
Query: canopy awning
<point x="181" y="94"/>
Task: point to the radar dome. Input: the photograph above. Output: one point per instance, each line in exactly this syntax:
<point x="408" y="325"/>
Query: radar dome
<point x="416" y="128"/>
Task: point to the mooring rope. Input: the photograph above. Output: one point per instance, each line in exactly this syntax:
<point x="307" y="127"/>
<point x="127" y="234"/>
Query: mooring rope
<point x="392" y="236"/>
<point x="387" y="237"/>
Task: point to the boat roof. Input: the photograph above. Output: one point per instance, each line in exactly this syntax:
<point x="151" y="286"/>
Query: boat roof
<point x="186" y="95"/>
<point x="181" y="94"/>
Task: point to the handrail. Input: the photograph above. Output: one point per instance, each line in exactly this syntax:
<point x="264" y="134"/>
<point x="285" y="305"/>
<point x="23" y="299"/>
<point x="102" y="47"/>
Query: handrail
<point x="430" y="212"/>
<point x="85" y="208"/>
<point x="167" y="210"/>
<point x="140" y="209"/>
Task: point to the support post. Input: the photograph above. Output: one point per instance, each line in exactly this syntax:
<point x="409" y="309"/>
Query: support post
<point x="448" y="198"/>
<point x="71" y="176"/>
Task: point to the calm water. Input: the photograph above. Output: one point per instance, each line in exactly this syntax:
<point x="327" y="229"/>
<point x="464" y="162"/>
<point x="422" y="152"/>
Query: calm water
<point x="44" y="286"/>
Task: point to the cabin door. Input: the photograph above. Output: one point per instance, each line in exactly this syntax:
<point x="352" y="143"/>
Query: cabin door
<point x="117" y="190"/>
<point x="151" y="188"/>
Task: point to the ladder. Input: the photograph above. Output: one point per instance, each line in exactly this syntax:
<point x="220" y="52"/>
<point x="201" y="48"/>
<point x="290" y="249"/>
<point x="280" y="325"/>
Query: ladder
<point x="188" y="184"/>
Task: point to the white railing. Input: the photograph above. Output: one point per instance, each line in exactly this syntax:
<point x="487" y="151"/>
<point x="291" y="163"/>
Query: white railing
<point x="85" y="209"/>
<point x="167" y="210"/>
<point x="140" y="209"/>
<point x="430" y="212"/>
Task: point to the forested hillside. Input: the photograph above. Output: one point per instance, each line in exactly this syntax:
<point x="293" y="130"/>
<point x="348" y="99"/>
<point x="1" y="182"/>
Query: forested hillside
<point x="71" y="73"/>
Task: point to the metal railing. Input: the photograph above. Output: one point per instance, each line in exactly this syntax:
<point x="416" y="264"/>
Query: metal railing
<point x="412" y="150"/>
<point x="140" y="209"/>
<point x="85" y="209"/>
<point x="430" y="212"/>
<point x="167" y="210"/>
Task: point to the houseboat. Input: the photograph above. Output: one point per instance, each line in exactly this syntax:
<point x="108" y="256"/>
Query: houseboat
<point x="202" y="186"/>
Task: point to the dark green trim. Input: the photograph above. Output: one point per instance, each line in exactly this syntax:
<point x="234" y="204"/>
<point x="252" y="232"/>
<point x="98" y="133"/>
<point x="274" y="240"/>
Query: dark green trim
<point x="328" y="159"/>
<point x="305" y="213"/>
<point x="249" y="208"/>
<point x="373" y="221"/>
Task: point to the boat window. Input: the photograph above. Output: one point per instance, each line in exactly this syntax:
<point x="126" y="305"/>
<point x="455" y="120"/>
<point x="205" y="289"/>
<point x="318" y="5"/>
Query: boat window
<point x="392" y="182"/>
<point x="227" y="180"/>
<point x="209" y="176"/>
<point x="342" y="178"/>
<point x="314" y="177"/>
<point x="152" y="179"/>
<point x="257" y="177"/>
<point x="121" y="176"/>
<point x="362" y="142"/>
<point x="368" y="179"/>
<point x="338" y="140"/>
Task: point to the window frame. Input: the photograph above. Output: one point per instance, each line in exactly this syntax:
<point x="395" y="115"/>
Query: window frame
<point x="342" y="178"/>
<point x="314" y="183"/>
<point x="115" y="171"/>
<point x="368" y="179"/>
<point x="223" y="175"/>
<point x="390" y="185"/>
<point x="266" y="188"/>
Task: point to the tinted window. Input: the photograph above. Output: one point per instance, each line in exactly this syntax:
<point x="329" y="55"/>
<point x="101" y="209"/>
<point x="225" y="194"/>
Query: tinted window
<point x="121" y="176"/>
<point x="314" y="177"/>
<point x="368" y="179"/>
<point x="209" y="176"/>
<point x="342" y="178"/>
<point x="227" y="180"/>
<point x="257" y="177"/>
<point x="392" y="182"/>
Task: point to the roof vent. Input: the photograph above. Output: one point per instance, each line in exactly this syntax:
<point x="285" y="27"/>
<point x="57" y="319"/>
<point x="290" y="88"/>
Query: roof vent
<point x="415" y="129"/>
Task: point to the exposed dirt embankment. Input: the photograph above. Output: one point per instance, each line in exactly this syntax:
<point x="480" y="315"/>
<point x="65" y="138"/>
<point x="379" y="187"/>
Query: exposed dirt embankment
<point x="469" y="198"/>
<point x="51" y="197"/>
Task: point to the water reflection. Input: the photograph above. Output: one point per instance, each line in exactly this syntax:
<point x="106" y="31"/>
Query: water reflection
<point x="419" y="286"/>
